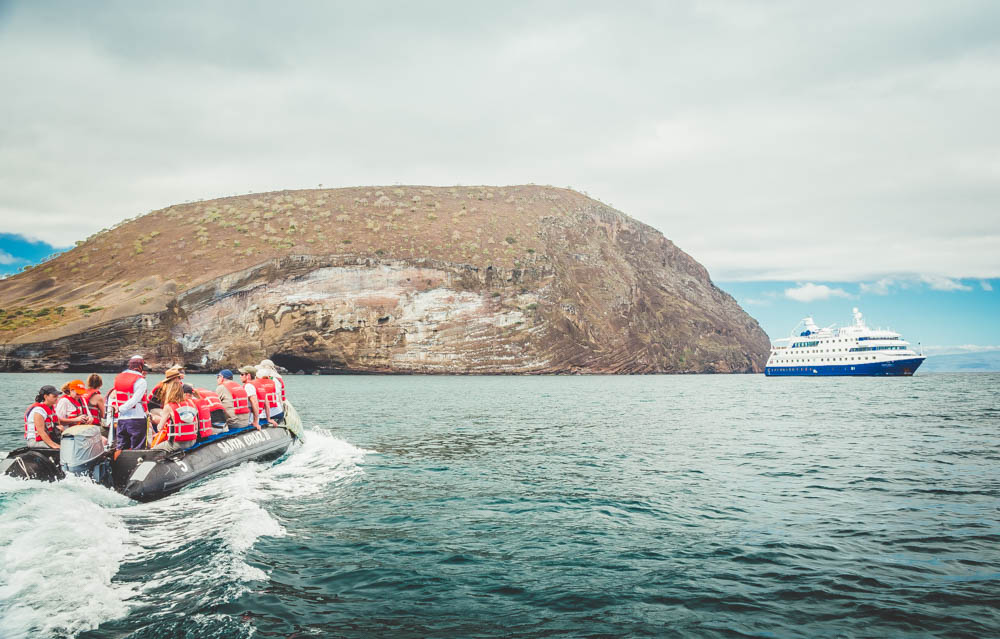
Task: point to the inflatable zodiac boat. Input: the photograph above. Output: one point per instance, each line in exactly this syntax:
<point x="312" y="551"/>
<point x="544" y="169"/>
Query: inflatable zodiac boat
<point x="145" y="475"/>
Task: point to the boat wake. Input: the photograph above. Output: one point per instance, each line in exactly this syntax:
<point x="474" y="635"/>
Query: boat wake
<point x="78" y="555"/>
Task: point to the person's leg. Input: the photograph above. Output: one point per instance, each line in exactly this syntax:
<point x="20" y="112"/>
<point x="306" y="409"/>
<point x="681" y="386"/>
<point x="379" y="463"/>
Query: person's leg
<point x="279" y="418"/>
<point x="137" y="433"/>
<point x="121" y="437"/>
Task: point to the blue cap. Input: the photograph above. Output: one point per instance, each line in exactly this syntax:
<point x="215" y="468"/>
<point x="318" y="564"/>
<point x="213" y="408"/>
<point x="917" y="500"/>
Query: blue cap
<point x="225" y="372"/>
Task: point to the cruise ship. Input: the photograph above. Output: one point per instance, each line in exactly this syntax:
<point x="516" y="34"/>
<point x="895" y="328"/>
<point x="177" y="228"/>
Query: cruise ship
<point x="850" y="350"/>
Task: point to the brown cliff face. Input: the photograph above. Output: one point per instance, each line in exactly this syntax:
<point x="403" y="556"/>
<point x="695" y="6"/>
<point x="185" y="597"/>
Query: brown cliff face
<point x="384" y="279"/>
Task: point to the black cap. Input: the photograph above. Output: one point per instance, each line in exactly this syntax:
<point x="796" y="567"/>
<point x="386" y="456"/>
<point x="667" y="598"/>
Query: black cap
<point x="48" y="390"/>
<point x="188" y="388"/>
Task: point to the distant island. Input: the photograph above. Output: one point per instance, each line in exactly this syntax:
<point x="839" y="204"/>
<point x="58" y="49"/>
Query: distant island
<point x="392" y="279"/>
<point x="982" y="362"/>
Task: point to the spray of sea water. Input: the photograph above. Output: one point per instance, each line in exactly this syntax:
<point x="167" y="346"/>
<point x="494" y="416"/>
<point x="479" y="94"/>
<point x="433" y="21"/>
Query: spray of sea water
<point x="77" y="555"/>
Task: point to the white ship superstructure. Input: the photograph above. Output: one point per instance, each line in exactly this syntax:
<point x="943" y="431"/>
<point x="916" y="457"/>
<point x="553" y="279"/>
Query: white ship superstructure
<point x="850" y="350"/>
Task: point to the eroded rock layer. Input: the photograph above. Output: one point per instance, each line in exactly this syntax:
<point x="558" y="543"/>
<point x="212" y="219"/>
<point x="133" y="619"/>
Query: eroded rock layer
<point x="514" y="284"/>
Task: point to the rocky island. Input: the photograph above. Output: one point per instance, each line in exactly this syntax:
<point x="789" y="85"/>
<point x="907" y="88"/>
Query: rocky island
<point x="398" y="279"/>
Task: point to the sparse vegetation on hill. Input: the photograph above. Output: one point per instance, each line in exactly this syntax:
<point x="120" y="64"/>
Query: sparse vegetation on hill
<point x="430" y="279"/>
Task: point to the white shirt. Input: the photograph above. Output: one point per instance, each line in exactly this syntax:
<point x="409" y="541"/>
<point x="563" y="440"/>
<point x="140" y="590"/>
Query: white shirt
<point x="132" y="409"/>
<point x="64" y="407"/>
<point x="279" y="409"/>
<point x="252" y="392"/>
<point x="30" y="432"/>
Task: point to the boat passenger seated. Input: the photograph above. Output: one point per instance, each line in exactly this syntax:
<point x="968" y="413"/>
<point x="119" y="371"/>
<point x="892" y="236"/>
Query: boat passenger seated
<point x="41" y="424"/>
<point x="211" y="413"/>
<point x="178" y="424"/>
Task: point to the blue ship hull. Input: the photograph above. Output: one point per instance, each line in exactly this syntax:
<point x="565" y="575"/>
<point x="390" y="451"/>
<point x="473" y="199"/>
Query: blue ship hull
<point x="900" y="367"/>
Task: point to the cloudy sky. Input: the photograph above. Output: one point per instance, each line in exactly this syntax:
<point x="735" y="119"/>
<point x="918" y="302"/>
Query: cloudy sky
<point x="805" y="153"/>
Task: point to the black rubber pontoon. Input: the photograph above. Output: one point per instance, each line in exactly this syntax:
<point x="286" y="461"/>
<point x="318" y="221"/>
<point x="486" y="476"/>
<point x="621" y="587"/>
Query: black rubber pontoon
<point x="145" y="475"/>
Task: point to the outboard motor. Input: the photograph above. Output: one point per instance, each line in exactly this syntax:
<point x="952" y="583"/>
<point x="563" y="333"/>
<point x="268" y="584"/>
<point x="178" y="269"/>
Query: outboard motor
<point x="81" y="452"/>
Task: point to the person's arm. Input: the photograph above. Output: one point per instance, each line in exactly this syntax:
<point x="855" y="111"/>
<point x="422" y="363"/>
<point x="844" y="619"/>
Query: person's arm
<point x="255" y="409"/>
<point x="40" y="430"/>
<point x="100" y="405"/>
<point x="62" y="410"/>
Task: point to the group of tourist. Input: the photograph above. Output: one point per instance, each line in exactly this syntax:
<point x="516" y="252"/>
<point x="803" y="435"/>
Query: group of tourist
<point x="180" y="413"/>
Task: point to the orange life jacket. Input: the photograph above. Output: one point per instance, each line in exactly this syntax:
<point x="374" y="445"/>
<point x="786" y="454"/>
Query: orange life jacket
<point x="241" y="401"/>
<point x="183" y="425"/>
<point x="124" y="387"/>
<point x="51" y="420"/>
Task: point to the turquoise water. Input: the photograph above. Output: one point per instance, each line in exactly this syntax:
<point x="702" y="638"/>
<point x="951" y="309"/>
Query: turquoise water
<point x="720" y="506"/>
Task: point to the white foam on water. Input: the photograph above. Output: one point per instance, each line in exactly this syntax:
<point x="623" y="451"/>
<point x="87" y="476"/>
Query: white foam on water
<point x="319" y="460"/>
<point x="61" y="545"/>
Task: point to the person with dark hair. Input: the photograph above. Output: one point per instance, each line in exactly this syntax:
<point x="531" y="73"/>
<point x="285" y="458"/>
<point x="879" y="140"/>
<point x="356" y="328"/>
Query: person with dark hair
<point x="93" y="399"/>
<point x="129" y="401"/>
<point x="41" y="425"/>
<point x="234" y="399"/>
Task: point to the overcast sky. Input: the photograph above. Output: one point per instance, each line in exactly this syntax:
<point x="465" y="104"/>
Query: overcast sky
<point x="794" y="141"/>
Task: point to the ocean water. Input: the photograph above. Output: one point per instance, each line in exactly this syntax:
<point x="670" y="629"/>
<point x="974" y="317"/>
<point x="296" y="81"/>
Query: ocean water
<point x="701" y="506"/>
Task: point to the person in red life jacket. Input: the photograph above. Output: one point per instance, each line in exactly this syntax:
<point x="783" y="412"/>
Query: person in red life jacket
<point x="267" y="377"/>
<point x="71" y="409"/>
<point x="267" y="399"/>
<point x="93" y="399"/>
<point x="204" y="406"/>
<point x="128" y="398"/>
<point x="216" y="411"/>
<point x="234" y="399"/>
<point x="41" y="425"/>
<point x="258" y="403"/>
<point x="179" y="419"/>
<point x="279" y="381"/>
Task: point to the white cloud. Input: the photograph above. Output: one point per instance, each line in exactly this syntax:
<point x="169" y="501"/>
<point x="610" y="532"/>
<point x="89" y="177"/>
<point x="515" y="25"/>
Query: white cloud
<point x="881" y="287"/>
<point x="653" y="107"/>
<point x="810" y="292"/>
<point x="884" y="286"/>
<point x="7" y="259"/>
<point x="941" y="283"/>
<point x="986" y="286"/>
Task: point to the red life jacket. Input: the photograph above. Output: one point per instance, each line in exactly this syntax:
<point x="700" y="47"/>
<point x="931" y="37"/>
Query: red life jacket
<point x="183" y="421"/>
<point x="204" y="417"/>
<point x="266" y="393"/>
<point x="93" y="411"/>
<point x="77" y="406"/>
<point x="124" y="387"/>
<point x="214" y="403"/>
<point x="241" y="401"/>
<point x="280" y="384"/>
<point x="51" y="420"/>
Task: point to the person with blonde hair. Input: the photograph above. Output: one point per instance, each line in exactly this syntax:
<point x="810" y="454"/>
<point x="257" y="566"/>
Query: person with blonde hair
<point x="179" y="420"/>
<point x="71" y="409"/>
